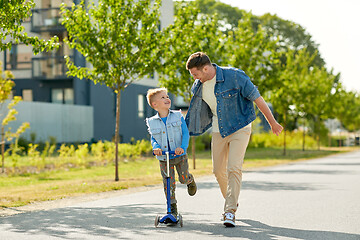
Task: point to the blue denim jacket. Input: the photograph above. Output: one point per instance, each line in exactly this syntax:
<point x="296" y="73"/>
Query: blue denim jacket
<point x="168" y="136"/>
<point x="234" y="94"/>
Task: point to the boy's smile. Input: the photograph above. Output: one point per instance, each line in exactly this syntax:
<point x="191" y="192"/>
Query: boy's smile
<point x="162" y="101"/>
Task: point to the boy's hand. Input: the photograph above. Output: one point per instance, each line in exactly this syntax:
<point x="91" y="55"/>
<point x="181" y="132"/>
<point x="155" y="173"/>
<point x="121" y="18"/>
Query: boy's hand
<point x="179" y="151"/>
<point x="157" y="151"/>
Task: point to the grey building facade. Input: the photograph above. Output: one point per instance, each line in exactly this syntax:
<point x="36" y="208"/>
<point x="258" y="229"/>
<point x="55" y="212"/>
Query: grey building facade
<point x="43" y="78"/>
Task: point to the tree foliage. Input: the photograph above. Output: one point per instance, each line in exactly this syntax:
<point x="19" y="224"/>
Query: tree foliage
<point x="119" y="38"/>
<point x="8" y="112"/>
<point x="191" y="32"/>
<point x="12" y="15"/>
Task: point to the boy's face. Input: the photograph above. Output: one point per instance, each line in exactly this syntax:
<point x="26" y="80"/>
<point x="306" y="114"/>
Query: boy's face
<point x="161" y="101"/>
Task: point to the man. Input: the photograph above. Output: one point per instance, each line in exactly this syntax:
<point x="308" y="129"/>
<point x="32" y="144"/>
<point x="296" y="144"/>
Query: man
<point x="223" y="99"/>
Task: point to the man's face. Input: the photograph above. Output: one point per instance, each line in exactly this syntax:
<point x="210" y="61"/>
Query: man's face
<point x="161" y="101"/>
<point x="200" y="74"/>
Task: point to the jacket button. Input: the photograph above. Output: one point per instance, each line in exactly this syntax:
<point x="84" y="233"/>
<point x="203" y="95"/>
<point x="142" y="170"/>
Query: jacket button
<point x="165" y="146"/>
<point x="163" y="132"/>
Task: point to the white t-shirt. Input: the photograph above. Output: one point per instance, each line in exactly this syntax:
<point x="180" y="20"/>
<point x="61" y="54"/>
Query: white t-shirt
<point x="208" y="95"/>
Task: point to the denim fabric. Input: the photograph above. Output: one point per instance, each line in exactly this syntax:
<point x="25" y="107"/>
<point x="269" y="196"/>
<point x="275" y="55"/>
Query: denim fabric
<point x="234" y="94"/>
<point x="171" y="133"/>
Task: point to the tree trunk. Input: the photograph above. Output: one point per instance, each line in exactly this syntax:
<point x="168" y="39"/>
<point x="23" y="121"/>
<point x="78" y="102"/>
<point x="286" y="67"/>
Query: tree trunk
<point x="304" y="136"/>
<point x="318" y="135"/>
<point x="284" y="153"/>
<point x="2" y="150"/>
<point x="117" y="124"/>
<point x="193" y="150"/>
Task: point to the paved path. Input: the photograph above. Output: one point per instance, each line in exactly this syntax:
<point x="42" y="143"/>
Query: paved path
<point x="318" y="199"/>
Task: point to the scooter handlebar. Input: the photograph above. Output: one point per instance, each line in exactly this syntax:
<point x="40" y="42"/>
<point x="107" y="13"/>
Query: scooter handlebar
<point x="170" y="152"/>
<point x="164" y="152"/>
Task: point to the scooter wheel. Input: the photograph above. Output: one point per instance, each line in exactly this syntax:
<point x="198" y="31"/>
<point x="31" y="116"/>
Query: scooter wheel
<point x="157" y="221"/>
<point x="180" y="220"/>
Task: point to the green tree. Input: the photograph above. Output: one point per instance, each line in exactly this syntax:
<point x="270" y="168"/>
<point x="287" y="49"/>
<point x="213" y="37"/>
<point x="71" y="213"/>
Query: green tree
<point x="12" y="14"/>
<point x="290" y="86"/>
<point x="191" y="32"/>
<point x="347" y="111"/>
<point x="8" y="114"/>
<point x="119" y="38"/>
<point x="254" y="52"/>
<point x="325" y="87"/>
<point x="291" y="36"/>
<point x="229" y="16"/>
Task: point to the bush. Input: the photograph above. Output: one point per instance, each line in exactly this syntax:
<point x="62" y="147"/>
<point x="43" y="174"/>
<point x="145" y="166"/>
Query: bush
<point x="98" y="150"/>
<point x="293" y="140"/>
<point x="202" y="142"/>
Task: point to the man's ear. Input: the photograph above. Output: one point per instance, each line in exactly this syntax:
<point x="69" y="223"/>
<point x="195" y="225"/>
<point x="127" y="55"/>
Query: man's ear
<point x="205" y="68"/>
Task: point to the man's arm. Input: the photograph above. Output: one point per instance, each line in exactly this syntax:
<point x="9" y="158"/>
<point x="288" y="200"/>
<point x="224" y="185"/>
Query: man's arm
<point x="275" y="126"/>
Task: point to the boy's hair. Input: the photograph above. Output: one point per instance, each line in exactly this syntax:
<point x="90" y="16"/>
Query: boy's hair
<point x="198" y="60"/>
<point x="151" y="93"/>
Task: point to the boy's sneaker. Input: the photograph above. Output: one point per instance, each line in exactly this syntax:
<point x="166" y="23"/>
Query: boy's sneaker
<point x="191" y="187"/>
<point x="229" y="219"/>
<point x="174" y="210"/>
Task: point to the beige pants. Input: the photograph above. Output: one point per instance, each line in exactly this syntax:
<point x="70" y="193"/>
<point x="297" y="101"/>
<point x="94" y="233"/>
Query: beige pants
<point x="228" y="157"/>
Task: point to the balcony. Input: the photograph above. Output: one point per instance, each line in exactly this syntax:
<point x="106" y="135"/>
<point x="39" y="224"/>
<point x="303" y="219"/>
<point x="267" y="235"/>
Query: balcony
<point x="49" y="67"/>
<point x="46" y="20"/>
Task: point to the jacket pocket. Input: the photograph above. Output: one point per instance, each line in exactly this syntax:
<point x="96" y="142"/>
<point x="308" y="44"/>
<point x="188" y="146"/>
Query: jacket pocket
<point x="230" y="94"/>
<point x="155" y="131"/>
<point x="176" y="126"/>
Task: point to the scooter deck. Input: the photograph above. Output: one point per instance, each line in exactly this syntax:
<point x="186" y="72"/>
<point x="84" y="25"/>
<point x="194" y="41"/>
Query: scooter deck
<point x="169" y="218"/>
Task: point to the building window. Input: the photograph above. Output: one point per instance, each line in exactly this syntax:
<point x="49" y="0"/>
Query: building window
<point x="68" y="96"/>
<point x="18" y="58"/>
<point x="141" y="106"/>
<point x="27" y="95"/>
<point x="62" y="95"/>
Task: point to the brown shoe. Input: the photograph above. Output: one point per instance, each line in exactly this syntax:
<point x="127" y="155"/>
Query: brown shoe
<point x="191" y="187"/>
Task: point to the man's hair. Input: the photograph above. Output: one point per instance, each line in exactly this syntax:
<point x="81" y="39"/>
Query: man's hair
<point x="198" y="60"/>
<point x="151" y="93"/>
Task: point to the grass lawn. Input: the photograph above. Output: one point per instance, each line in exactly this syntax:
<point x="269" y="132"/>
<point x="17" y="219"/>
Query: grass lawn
<point x="24" y="189"/>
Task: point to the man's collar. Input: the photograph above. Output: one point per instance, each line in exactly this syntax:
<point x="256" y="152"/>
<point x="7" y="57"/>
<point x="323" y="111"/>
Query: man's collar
<point x="219" y="73"/>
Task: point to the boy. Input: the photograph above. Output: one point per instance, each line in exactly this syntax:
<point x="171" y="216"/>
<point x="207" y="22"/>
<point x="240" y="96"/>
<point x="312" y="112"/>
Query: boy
<point x="169" y="132"/>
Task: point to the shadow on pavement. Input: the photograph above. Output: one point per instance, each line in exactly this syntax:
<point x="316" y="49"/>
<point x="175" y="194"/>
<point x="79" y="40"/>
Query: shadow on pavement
<point x="110" y="222"/>
<point x="129" y="221"/>
<point x="256" y="230"/>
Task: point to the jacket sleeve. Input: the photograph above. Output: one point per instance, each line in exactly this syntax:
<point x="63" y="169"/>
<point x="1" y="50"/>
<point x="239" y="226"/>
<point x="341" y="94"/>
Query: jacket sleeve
<point x="154" y="143"/>
<point x="247" y="88"/>
<point x="185" y="135"/>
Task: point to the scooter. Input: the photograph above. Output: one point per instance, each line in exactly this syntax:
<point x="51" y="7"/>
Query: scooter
<point x="168" y="218"/>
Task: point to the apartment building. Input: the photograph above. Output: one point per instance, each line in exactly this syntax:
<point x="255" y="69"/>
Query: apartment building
<point x="42" y="79"/>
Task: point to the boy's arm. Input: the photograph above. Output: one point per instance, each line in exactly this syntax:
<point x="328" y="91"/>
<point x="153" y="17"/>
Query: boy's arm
<point x="275" y="126"/>
<point x="185" y="135"/>
<point x="154" y="143"/>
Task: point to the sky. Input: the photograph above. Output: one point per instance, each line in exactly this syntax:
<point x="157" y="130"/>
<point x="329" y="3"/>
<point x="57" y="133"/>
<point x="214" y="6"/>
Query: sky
<point x="333" y="24"/>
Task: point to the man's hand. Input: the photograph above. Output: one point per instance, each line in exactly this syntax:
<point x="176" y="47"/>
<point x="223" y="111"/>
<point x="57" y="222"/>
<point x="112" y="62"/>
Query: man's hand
<point x="276" y="128"/>
<point x="179" y="151"/>
<point x="157" y="151"/>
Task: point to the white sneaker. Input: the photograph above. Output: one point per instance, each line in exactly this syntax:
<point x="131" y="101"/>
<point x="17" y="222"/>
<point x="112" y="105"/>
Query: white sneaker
<point x="229" y="219"/>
